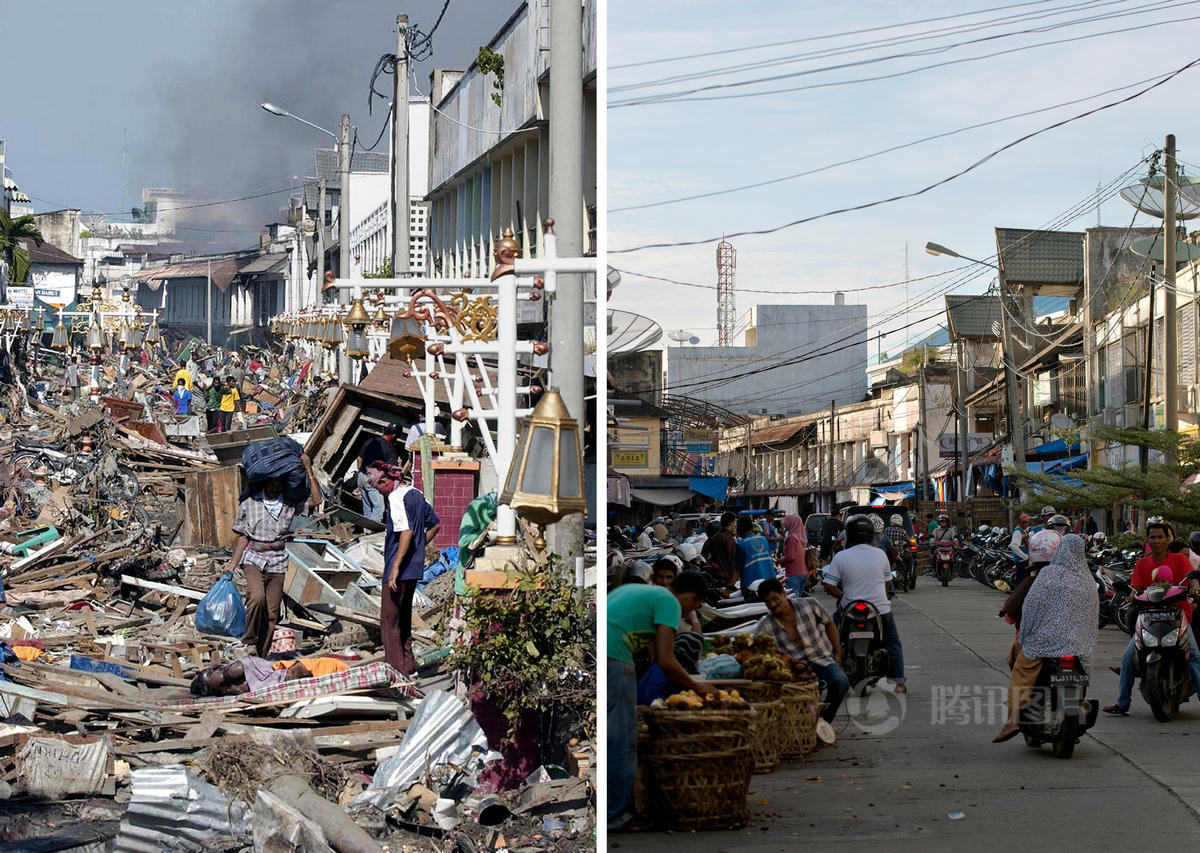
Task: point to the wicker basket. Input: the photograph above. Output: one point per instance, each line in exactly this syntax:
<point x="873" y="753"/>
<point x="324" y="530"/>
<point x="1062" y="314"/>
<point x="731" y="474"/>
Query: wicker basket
<point x="642" y="804"/>
<point x="761" y="691"/>
<point x="700" y="787"/>
<point x="798" y="720"/>
<point x="700" y="726"/>
<point x="766" y="745"/>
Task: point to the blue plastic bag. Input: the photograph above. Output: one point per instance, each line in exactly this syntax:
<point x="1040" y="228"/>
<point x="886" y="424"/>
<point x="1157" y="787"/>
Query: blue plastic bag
<point x="221" y="611"/>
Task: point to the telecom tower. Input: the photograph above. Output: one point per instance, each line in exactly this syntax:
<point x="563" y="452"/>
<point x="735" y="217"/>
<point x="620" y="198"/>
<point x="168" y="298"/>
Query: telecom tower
<point x="726" y="302"/>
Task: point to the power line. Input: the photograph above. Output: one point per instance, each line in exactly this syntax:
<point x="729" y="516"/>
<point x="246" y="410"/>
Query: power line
<point x="708" y="54"/>
<point x="791" y="292"/>
<point x="882" y="151"/>
<point x="688" y="95"/>
<point x="899" y="40"/>
<point x="926" y="188"/>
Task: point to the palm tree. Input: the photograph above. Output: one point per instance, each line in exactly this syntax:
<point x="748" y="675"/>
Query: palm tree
<point x="14" y="254"/>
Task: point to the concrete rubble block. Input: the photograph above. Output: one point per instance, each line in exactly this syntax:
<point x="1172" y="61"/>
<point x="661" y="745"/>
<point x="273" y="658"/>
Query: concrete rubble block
<point x="280" y="828"/>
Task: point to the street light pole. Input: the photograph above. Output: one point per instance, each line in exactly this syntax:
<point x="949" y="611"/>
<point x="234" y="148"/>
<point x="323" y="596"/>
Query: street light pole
<point x="344" y="367"/>
<point x="400" y="192"/>
<point x="1010" y="371"/>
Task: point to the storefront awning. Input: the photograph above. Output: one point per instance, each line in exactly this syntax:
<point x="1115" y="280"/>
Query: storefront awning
<point x="662" y="497"/>
<point x="712" y="487"/>
<point x="1066" y="464"/>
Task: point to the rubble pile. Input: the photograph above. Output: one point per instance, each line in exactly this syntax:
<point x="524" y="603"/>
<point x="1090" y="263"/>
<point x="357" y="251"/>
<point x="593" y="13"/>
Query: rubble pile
<point x="114" y="520"/>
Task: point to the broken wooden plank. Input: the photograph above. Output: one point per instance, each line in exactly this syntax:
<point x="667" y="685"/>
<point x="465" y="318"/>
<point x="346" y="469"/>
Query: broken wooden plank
<point x="194" y="594"/>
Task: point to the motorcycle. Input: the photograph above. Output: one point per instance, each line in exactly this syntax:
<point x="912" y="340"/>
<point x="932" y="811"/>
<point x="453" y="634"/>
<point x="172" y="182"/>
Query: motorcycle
<point x="1059" y="710"/>
<point x="1161" y="637"/>
<point x="864" y="656"/>
<point x="943" y="561"/>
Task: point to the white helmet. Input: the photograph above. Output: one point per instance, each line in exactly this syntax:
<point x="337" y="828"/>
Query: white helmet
<point x="1042" y="546"/>
<point x="687" y="552"/>
<point x="638" y="572"/>
<point x="877" y="523"/>
<point x="896" y="520"/>
<point x="996" y="531"/>
<point x="984" y="530"/>
<point x="673" y="560"/>
<point x="1099" y="539"/>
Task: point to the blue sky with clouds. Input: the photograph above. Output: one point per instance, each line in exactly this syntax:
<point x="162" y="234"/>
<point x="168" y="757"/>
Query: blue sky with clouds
<point x="666" y="150"/>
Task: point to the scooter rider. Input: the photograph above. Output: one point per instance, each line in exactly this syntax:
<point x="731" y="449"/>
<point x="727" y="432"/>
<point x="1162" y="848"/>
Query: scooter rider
<point x="1017" y="546"/>
<point x="861" y="572"/>
<point x="944" y="532"/>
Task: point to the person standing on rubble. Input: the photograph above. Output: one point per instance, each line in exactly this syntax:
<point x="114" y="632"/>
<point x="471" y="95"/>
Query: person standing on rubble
<point x="182" y="398"/>
<point x="71" y="378"/>
<point x="231" y="401"/>
<point x="411" y="523"/>
<point x="263" y="525"/>
<point x="212" y="405"/>
<point x="379" y="448"/>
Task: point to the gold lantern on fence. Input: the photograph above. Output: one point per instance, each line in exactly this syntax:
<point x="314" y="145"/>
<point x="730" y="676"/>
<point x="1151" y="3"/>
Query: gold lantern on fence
<point x="545" y="478"/>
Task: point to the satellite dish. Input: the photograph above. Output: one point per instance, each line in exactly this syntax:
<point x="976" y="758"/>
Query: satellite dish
<point x="308" y="226"/>
<point x="1060" y="421"/>
<point x="681" y="335"/>
<point x="1153" y="248"/>
<point x="93" y="219"/>
<point x="1151" y="201"/>
<point x="630" y="332"/>
<point x="693" y="340"/>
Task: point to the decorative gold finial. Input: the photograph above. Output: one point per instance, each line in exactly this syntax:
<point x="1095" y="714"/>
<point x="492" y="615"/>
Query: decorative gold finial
<point x="507" y="250"/>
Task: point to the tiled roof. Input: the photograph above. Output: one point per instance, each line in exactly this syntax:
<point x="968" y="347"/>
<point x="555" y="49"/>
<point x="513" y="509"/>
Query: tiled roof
<point x="373" y="162"/>
<point x="49" y="254"/>
<point x="1040" y="257"/>
<point x="974" y="316"/>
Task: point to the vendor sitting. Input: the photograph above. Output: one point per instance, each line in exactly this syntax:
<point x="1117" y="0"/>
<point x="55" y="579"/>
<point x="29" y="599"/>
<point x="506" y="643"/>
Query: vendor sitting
<point x="250" y="674"/>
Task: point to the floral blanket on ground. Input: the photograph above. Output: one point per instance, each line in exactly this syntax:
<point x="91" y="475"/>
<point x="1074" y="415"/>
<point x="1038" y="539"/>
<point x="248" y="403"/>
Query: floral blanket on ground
<point x="373" y="676"/>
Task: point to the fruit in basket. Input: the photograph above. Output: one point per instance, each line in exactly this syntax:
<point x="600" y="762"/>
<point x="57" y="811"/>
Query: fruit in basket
<point x="743" y="641"/>
<point x="764" y="644"/>
<point x="688" y="700"/>
<point x="744" y="656"/>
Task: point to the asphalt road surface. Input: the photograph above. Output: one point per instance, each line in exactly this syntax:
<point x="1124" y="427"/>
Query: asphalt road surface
<point x="906" y="762"/>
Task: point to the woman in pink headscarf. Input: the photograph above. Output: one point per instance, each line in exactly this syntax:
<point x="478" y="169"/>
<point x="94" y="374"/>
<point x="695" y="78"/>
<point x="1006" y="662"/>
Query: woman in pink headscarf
<point x="795" y="554"/>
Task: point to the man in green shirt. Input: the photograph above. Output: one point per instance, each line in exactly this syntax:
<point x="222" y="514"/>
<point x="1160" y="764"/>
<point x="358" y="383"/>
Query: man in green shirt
<point x="212" y="402"/>
<point x="640" y="615"/>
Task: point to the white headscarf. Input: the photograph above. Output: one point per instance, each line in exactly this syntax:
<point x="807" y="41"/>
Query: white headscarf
<point x="1061" y="610"/>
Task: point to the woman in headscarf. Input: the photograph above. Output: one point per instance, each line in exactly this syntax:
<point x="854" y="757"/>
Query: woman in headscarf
<point x="795" y="554"/>
<point x="1058" y="619"/>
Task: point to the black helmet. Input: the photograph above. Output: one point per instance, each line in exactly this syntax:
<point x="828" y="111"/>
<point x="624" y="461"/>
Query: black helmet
<point x="1194" y="541"/>
<point x="1060" y="523"/>
<point x="859" y="529"/>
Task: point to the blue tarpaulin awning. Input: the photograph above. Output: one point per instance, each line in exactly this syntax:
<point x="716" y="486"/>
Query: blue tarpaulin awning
<point x="713" y="487"/>
<point x="1056" y="446"/>
<point x="1067" y="464"/>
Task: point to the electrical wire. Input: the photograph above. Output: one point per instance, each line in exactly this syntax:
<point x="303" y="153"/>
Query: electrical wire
<point x="927" y="188"/>
<point x="791" y="292"/>
<point x="888" y="150"/>
<point x="900" y="40"/>
<point x="696" y="95"/>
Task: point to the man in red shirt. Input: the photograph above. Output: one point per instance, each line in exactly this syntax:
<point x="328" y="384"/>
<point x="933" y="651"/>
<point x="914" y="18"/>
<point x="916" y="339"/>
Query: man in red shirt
<point x="1158" y="537"/>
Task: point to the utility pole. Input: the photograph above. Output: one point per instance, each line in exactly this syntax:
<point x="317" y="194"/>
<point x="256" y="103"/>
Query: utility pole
<point x="962" y="423"/>
<point x="208" y="302"/>
<point x="1010" y="381"/>
<point x="566" y="206"/>
<point x="749" y="456"/>
<point x="344" y="232"/>
<point x="832" y="473"/>
<point x="400" y="194"/>
<point x="1170" y="314"/>
<point x="1147" y="393"/>
<point x="922" y="452"/>
<point x="319" y="297"/>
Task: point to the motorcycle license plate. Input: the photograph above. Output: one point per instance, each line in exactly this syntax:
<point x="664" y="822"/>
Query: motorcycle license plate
<point x="861" y="635"/>
<point x="1073" y="678"/>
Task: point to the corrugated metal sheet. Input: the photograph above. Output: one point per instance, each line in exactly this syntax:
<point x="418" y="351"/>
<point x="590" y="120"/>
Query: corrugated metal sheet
<point x="173" y="810"/>
<point x="441" y="731"/>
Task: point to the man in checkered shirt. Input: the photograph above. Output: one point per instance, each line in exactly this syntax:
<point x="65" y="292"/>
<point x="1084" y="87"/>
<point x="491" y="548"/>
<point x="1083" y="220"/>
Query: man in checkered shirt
<point x="803" y="630"/>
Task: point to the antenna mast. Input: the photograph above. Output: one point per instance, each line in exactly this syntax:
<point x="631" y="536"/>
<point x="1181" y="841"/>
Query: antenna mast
<point x="726" y="302"/>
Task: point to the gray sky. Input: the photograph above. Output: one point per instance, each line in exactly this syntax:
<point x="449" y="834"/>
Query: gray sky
<point x="184" y="80"/>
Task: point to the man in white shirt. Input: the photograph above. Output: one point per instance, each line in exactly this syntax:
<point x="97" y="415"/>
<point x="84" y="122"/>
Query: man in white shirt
<point x="1017" y="546"/>
<point x="861" y="572"/>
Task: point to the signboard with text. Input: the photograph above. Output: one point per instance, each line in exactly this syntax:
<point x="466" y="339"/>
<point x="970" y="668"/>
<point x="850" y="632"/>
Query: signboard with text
<point x="630" y="458"/>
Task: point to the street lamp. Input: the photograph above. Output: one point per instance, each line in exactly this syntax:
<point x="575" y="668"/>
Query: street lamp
<point x="935" y="249"/>
<point x="343" y="154"/>
<point x="60" y="339"/>
<point x="356" y="322"/>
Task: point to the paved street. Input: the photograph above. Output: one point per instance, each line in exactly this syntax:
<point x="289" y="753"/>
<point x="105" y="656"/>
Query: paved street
<point x="899" y="788"/>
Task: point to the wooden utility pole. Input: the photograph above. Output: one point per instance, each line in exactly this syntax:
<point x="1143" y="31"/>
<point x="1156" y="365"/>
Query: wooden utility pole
<point x="1148" y="387"/>
<point x="1015" y="426"/>
<point x="832" y="474"/>
<point x="1170" y="314"/>
<point x="963" y="427"/>
<point x="922" y="452"/>
<point x="400" y="192"/>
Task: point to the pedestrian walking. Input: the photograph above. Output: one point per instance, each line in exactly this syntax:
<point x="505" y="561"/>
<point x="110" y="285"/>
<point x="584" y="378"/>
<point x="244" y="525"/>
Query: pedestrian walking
<point x="71" y="378"/>
<point x="379" y="448"/>
<point x="231" y="401"/>
<point x="182" y="398"/>
<point x="263" y="522"/>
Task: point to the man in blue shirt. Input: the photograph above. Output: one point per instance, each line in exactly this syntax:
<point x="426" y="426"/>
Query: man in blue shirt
<point x="753" y="561"/>
<point x="411" y="522"/>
